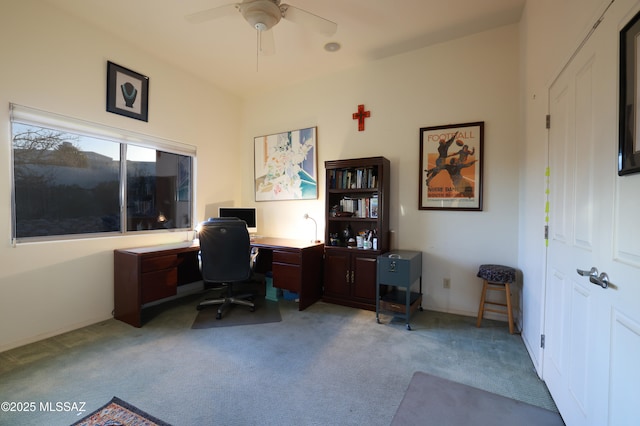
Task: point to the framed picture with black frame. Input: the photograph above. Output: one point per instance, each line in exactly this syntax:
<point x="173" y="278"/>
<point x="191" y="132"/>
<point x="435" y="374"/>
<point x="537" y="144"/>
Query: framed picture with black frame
<point x="628" y="110"/>
<point x="127" y="92"/>
<point x="451" y="167"/>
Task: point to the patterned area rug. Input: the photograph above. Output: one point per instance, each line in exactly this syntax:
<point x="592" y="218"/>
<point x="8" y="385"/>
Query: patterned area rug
<point x="119" y="413"/>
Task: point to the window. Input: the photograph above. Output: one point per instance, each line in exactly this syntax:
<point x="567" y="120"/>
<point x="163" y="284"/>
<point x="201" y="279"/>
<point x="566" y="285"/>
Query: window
<point x="75" y="178"/>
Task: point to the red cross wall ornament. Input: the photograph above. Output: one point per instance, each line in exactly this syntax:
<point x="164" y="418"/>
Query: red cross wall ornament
<point x="360" y="116"/>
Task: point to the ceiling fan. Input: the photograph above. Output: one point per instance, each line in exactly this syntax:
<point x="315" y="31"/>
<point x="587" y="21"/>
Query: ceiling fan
<point x="263" y="15"/>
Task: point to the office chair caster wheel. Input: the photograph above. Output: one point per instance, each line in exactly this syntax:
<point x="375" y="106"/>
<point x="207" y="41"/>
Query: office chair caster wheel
<point x="252" y="309"/>
<point x="218" y="316"/>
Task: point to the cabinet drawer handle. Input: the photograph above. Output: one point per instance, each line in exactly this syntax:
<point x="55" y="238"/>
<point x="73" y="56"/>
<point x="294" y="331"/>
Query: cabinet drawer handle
<point x="346" y="277"/>
<point x="352" y="281"/>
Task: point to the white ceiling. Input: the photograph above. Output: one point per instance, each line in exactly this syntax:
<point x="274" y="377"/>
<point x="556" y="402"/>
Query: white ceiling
<point x="223" y="50"/>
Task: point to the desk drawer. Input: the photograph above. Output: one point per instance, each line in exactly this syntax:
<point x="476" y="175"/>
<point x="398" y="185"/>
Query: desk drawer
<point x="157" y="263"/>
<point x="286" y="276"/>
<point x="287" y="257"/>
<point x="159" y="284"/>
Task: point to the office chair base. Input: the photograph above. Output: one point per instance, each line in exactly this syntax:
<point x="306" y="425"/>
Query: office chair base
<point x="226" y="302"/>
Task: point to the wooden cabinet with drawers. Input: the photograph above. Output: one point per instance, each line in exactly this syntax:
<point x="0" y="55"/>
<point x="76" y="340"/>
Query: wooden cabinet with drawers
<point x="286" y="270"/>
<point x="296" y="266"/>
<point x="158" y="277"/>
<point x="147" y="274"/>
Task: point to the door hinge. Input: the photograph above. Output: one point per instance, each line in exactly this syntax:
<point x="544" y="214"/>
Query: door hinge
<point x="546" y="232"/>
<point x="542" y="341"/>
<point x="548" y="121"/>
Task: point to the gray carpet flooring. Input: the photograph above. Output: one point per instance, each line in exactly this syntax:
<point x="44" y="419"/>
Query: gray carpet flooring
<point x="326" y="365"/>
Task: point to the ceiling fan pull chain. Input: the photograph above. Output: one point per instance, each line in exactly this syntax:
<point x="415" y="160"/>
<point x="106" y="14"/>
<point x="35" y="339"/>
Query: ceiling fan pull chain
<point x="257" y="48"/>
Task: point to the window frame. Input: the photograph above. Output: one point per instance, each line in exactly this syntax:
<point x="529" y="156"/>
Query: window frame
<point x="39" y="118"/>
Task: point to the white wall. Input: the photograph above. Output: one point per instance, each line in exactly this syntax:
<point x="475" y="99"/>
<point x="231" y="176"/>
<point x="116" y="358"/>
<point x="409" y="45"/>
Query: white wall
<point x="465" y="80"/>
<point x="56" y="63"/>
<point x="550" y="31"/>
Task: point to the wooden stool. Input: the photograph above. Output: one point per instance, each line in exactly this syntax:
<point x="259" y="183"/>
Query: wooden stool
<point x="496" y="278"/>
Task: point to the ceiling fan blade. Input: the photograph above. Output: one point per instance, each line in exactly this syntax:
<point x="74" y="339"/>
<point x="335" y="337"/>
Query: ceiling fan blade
<point x="267" y="45"/>
<point x="309" y="20"/>
<point x="214" y="13"/>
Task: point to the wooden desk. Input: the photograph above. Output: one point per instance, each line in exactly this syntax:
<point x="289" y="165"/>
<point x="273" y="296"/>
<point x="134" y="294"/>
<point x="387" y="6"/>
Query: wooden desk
<point x="147" y="274"/>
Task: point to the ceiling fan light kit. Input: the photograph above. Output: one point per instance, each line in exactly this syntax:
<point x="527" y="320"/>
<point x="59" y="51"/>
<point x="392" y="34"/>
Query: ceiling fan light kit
<point x="261" y="14"/>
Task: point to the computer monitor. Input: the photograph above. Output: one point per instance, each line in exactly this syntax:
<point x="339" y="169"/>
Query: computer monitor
<point x="248" y="214"/>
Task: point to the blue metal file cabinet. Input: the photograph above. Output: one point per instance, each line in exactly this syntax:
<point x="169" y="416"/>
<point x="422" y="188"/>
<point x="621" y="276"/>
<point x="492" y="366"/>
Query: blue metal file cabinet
<point x="400" y="269"/>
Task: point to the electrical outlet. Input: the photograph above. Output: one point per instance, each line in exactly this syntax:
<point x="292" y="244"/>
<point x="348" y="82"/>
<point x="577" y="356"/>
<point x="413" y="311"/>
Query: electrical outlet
<point x="446" y="283"/>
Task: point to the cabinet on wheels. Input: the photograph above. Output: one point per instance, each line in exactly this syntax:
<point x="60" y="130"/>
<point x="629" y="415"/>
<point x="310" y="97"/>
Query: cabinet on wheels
<point x="400" y="270"/>
<point x="357" y="229"/>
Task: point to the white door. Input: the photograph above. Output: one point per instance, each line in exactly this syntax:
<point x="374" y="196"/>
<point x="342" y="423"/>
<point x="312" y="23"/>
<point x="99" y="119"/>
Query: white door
<point x="591" y="358"/>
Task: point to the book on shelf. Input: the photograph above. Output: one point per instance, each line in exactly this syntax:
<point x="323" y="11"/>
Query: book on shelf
<point x="364" y="207"/>
<point x="373" y="207"/>
<point x="361" y="178"/>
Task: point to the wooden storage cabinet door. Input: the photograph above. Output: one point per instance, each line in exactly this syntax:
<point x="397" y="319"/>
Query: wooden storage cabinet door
<point x="364" y="281"/>
<point x="159" y="284"/>
<point x="287" y="270"/>
<point x="336" y="273"/>
<point x="350" y="278"/>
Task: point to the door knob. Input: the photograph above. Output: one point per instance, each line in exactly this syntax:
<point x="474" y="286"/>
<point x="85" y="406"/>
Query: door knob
<point x="593" y="272"/>
<point x="602" y="280"/>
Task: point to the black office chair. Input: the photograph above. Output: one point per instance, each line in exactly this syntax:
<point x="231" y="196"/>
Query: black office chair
<point x="226" y="258"/>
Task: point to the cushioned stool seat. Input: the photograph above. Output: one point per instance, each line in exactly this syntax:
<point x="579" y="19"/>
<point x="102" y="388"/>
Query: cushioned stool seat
<point x="496" y="278"/>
